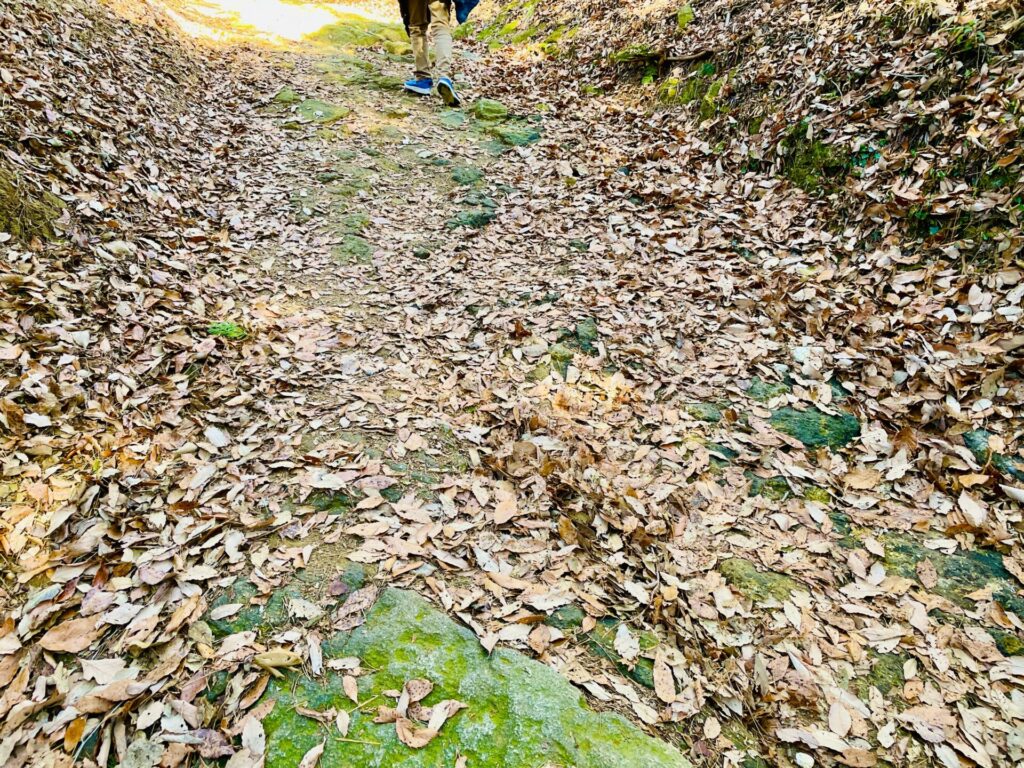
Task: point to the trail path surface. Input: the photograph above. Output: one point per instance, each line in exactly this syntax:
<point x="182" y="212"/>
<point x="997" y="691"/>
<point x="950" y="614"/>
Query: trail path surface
<point x="467" y="356"/>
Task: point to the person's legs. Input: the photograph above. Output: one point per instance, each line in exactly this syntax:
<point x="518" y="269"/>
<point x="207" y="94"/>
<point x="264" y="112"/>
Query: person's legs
<point x="441" y="33"/>
<point x="420" y="51"/>
<point x="419" y="26"/>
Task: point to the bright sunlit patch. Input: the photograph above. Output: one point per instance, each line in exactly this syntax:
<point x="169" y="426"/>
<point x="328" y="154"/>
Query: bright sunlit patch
<point x="273" y="21"/>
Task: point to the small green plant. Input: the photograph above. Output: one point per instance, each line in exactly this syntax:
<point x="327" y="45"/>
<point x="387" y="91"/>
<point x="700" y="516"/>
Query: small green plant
<point x="965" y="37"/>
<point x="228" y="330"/>
<point x="685" y="17"/>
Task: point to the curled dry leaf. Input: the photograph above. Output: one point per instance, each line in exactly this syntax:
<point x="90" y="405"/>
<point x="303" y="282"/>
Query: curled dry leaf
<point x="312" y="757"/>
<point x="413" y="735"/>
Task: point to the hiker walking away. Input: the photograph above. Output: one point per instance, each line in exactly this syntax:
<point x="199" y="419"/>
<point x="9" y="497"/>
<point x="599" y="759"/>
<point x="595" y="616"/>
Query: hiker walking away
<point x="427" y="20"/>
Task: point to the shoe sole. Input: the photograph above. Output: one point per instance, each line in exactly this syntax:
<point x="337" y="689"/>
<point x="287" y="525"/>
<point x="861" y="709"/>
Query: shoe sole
<point x="417" y="91"/>
<point x="448" y="95"/>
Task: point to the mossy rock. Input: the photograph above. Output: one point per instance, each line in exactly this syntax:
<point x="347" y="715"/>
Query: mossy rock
<point x="633" y="54"/>
<point x="376" y="81"/>
<point x="251" y="616"/>
<point x="763" y="391"/>
<point x="474" y="197"/>
<point x="355" y="31"/>
<point x="26" y="213"/>
<point x="817" y="494"/>
<point x="886" y="674"/>
<point x="287" y="96"/>
<point x="515" y="136"/>
<point x="583" y="337"/>
<point x="387" y="134"/>
<point x="1009" y="466"/>
<point x="216" y="685"/>
<point x="708" y="412"/>
<point x="471" y="219"/>
<point x="520" y="713"/>
<point x="561" y="357"/>
<point x="489" y="109"/>
<point x="771" y="488"/>
<point x="721" y="455"/>
<point x="744" y="577"/>
<point x="332" y="502"/>
<point x="453" y="118"/>
<point x="817" y="429"/>
<point x="538" y="373"/>
<point x="353" y="249"/>
<point x="399" y="48"/>
<point x="494" y="147"/>
<point x="813" y="165"/>
<point x="320" y="112"/>
<point x="1008" y="643"/>
<point x="587" y="335"/>
<point x="467" y="174"/>
<point x="959" y="574"/>
<point x="601" y="640"/>
<point x="354" y="223"/>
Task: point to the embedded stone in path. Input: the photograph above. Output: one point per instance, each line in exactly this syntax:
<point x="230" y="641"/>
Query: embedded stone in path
<point x="519" y="712"/>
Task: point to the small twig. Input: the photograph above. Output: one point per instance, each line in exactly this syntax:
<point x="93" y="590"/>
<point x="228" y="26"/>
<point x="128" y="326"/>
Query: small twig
<point x="359" y="707"/>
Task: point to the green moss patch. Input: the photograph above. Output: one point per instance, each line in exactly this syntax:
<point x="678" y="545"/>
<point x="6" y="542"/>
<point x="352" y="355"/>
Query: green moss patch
<point x="1010" y="466"/>
<point x="817" y="429"/>
<point x="228" y="330"/>
<point x="886" y="674"/>
<point x="353" y="249"/>
<point x="252" y="616"/>
<point x="773" y="488"/>
<point x="287" y="96"/>
<point x="354" y="31"/>
<point x="583" y="337"/>
<point x="26" y="213"/>
<point x="811" y="164"/>
<point x="744" y="577"/>
<point x="763" y="391"/>
<point x="320" y="112"/>
<point x="684" y="17"/>
<point x="453" y="118"/>
<point x="959" y="574"/>
<point x="471" y="219"/>
<point x="489" y="109"/>
<point x="520" y="713"/>
<point x="515" y="135"/>
<point x="354" y="223"/>
<point x="467" y="174"/>
<point x="708" y="412"/>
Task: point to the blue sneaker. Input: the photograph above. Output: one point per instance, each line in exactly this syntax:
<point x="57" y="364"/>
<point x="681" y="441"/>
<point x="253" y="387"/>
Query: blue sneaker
<point x="420" y="87"/>
<point x="449" y="96"/>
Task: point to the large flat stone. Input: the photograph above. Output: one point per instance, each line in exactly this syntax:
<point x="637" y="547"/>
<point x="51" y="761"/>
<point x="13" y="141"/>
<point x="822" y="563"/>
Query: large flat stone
<point x="520" y="714"/>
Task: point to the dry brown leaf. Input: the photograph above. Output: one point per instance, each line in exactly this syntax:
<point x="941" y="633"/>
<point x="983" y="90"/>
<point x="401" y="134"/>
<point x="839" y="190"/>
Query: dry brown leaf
<point x="351" y="688"/>
<point x="312" y="757"/>
<point x="412" y="735"/>
<point x="72" y="636"/>
<point x="664" y="681"/>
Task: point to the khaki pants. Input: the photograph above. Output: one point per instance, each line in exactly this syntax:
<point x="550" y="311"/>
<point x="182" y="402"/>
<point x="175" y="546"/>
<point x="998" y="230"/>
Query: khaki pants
<point x="438" y="28"/>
